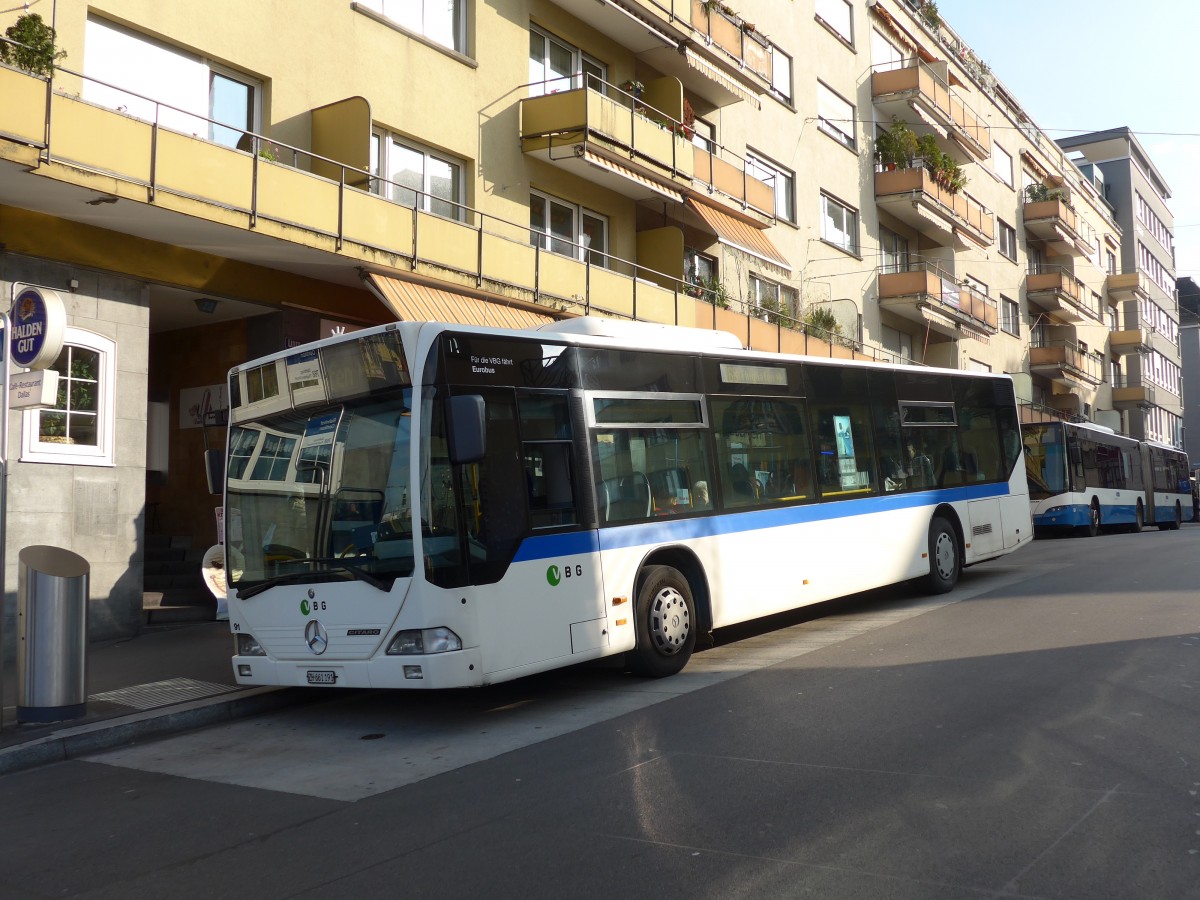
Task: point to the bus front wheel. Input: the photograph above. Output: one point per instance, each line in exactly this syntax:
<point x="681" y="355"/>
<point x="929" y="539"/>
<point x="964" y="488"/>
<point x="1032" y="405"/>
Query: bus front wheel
<point x="1139" y="518"/>
<point x="1178" y="520"/>
<point x="666" y="623"/>
<point x="945" y="563"/>
<point x="1092" y="528"/>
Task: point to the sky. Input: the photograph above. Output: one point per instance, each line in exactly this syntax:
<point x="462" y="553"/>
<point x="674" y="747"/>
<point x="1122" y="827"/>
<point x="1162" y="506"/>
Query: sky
<point x="1078" y="66"/>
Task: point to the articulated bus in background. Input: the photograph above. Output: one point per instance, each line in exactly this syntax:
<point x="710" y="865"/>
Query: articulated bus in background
<point x="423" y="506"/>
<point x="1087" y="478"/>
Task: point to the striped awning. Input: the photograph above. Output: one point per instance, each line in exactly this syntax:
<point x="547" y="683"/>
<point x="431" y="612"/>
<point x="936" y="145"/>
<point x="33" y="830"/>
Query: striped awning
<point x="603" y="162"/>
<point x="707" y="69"/>
<point x="740" y="235"/>
<point x="412" y="302"/>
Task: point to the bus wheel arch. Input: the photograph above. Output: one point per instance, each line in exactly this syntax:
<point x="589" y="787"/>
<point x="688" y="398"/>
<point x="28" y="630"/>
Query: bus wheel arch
<point x="1139" y="516"/>
<point x="684" y="561"/>
<point x="1174" y="525"/>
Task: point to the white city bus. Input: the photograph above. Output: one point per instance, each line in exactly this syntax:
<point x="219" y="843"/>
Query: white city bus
<point x="1088" y="478"/>
<point x="423" y="505"/>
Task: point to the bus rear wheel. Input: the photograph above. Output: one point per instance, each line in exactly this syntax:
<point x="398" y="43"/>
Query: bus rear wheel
<point x="1139" y="518"/>
<point x="1178" y="520"/>
<point x="945" y="562"/>
<point x="666" y="623"/>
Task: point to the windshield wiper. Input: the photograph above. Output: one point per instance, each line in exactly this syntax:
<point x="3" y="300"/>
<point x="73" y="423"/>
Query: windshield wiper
<point x="358" y="572"/>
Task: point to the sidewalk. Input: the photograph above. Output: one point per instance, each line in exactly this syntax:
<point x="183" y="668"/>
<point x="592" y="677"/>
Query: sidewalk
<point x="165" y="680"/>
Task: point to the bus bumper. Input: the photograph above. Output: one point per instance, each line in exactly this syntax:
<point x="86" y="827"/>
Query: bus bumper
<point x="1074" y="516"/>
<point x="462" y="668"/>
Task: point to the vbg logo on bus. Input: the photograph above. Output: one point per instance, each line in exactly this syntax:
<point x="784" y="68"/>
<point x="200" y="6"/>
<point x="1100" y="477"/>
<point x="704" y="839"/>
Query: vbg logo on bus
<point x="555" y="575"/>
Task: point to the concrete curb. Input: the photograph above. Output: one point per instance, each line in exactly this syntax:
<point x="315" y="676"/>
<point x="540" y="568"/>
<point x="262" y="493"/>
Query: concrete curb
<point x="93" y="737"/>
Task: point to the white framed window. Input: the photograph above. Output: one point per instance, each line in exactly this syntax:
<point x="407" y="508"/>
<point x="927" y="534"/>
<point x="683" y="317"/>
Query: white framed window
<point x="555" y="65"/>
<point x="1010" y="316"/>
<point x="772" y="301"/>
<point x="781" y="74"/>
<point x="1002" y="164"/>
<point x="893" y="251"/>
<point x="839" y="224"/>
<point x="190" y="89"/>
<point x="79" y="429"/>
<point x="441" y="21"/>
<point x="885" y="56"/>
<point x="412" y="175"/>
<point x="568" y="229"/>
<point x="782" y="180"/>
<point x="838" y="15"/>
<point x="835" y="116"/>
<point x="1008" y="239"/>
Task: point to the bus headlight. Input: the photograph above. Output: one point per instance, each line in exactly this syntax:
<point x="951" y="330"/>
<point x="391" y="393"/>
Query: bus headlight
<point x="428" y="640"/>
<point x="248" y="646"/>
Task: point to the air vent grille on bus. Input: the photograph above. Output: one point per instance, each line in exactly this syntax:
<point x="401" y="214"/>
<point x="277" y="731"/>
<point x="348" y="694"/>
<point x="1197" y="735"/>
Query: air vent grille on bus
<point x="981" y="529"/>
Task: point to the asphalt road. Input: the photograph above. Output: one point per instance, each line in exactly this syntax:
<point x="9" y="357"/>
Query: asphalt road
<point x="1033" y="734"/>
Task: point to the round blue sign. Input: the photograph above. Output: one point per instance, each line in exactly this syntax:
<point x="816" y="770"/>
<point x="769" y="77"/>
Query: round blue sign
<point x="38" y="321"/>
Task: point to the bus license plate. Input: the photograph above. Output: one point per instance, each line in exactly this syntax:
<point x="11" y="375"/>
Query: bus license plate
<point x="322" y="676"/>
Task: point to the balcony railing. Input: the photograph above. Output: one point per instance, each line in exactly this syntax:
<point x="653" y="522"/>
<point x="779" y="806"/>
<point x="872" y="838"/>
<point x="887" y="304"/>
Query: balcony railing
<point x="734" y="36"/>
<point x="1037" y="413"/>
<point x="914" y="79"/>
<point x="357" y="214"/>
<point x="607" y="114"/>
<point x="1065" y="356"/>
<point x="925" y="284"/>
<point x="916" y="184"/>
<point x="1060" y="293"/>
<point x="1133" y="391"/>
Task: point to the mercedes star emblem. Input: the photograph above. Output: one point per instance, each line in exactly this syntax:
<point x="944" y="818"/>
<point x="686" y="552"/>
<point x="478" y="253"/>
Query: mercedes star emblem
<point x="316" y="637"/>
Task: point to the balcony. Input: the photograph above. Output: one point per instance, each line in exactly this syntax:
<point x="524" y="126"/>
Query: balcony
<point x="733" y="37"/>
<point x="201" y="215"/>
<point x="913" y="196"/>
<point x="1065" y="364"/>
<point x="1137" y="286"/>
<point x="932" y="298"/>
<point x="918" y="95"/>
<point x="1132" y="392"/>
<point x="1058" y="293"/>
<point x="1058" y="225"/>
<point x="720" y="71"/>
<point x="611" y="138"/>
<point x="1129" y="340"/>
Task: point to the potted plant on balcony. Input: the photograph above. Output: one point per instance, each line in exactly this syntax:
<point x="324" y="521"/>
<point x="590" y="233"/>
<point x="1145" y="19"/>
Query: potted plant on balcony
<point x="34" y="49"/>
<point x="634" y="88"/>
<point x="896" y="147"/>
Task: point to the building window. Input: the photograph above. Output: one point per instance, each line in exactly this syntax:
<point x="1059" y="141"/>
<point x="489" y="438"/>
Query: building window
<point x="1002" y="164"/>
<point x="191" y="90"/>
<point x="1010" y="316"/>
<point x="699" y="270"/>
<point x="442" y="21"/>
<point x="1008" y="240"/>
<point x="1110" y="262"/>
<point x="781" y="74"/>
<point x="555" y="65"/>
<point x="839" y="224"/>
<point x="415" y="176"/>
<point x="772" y="301"/>
<point x="79" y="429"/>
<point x="835" y="116"/>
<point x="783" y="181"/>
<point x="567" y="229"/>
<point x="893" y="251"/>
<point x="838" y="17"/>
<point x="885" y="56"/>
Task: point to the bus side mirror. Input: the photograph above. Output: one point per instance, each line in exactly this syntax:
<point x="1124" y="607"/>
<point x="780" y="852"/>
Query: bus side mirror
<point x="466" y="429"/>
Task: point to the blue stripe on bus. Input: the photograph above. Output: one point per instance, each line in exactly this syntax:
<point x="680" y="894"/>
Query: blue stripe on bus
<point x="671" y="528"/>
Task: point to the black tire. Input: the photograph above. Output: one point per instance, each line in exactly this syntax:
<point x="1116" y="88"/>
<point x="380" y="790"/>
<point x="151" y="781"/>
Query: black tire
<point x="665" y="621"/>
<point x="1092" y="528"/>
<point x="945" y="559"/>
<point x="1175" y="523"/>
<point x="1139" y="518"/>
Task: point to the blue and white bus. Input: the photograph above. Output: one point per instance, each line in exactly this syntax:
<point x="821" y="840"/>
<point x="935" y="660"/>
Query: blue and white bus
<point x="1088" y="478"/>
<point x="423" y="505"/>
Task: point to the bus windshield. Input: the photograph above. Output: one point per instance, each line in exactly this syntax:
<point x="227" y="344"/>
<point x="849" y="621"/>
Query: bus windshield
<point x="321" y="494"/>
<point x="1045" y="466"/>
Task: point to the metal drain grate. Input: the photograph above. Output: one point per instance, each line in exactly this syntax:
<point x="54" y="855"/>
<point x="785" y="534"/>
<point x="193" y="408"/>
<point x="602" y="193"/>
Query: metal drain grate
<point x="164" y="693"/>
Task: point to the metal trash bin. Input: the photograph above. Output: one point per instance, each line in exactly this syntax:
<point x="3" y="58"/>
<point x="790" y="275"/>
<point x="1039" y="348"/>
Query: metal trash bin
<point x="52" y="611"/>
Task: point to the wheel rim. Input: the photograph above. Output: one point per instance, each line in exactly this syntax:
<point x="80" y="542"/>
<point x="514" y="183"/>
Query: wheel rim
<point x="670" y="622"/>
<point x="1095" y="517"/>
<point x="945" y="555"/>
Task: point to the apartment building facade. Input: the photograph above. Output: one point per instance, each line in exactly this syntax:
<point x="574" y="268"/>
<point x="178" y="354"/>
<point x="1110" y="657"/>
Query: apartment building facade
<point x="1146" y="371"/>
<point x="199" y="195"/>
